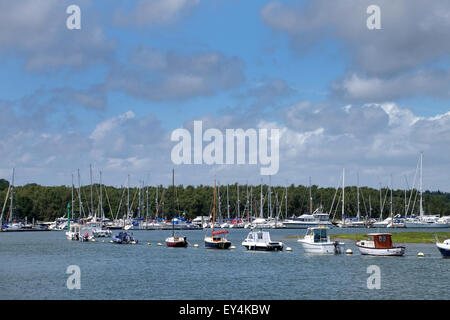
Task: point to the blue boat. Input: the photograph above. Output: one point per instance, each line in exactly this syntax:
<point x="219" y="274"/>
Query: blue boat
<point x="444" y="248"/>
<point x="124" y="238"/>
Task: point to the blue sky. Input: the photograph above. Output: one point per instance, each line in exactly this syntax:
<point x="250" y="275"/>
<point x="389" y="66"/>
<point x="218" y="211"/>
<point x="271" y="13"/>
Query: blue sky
<point x="343" y="95"/>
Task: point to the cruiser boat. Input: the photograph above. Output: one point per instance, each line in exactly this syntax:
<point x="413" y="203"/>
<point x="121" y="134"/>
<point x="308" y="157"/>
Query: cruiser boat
<point x="260" y="240"/>
<point x="317" y="240"/>
<point x="379" y="244"/>
<point x="124" y="238"/>
<point x="444" y="248"/>
<point x="74" y="232"/>
<point x="308" y="220"/>
<point x="426" y="221"/>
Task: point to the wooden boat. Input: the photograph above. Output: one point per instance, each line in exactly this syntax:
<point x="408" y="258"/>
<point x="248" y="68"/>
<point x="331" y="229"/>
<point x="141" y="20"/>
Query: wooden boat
<point x="444" y="248"/>
<point x="216" y="241"/>
<point x="379" y="244"/>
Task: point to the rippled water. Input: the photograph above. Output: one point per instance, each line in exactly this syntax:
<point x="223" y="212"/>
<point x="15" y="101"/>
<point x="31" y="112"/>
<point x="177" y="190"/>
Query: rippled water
<point x="33" y="266"/>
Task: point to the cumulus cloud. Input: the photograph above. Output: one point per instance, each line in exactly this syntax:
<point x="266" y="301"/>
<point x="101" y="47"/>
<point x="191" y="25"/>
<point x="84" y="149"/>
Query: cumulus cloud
<point x="386" y="64"/>
<point x="155" y="12"/>
<point x="156" y="75"/>
<point x="36" y="32"/>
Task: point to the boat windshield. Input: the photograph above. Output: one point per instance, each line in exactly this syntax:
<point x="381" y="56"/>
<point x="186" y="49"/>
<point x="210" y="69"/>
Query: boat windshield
<point x="320" y="235"/>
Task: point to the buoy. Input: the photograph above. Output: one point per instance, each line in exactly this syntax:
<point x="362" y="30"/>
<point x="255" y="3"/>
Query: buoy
<point x="288" y="249"/>
<point x="195" y="245"/>
<point x="103" y="240"/>
<point x="93" y="240"/>
<point x="159" y="244"/>
<point x="232" y="247"/>
<point x="420" y="255"/>
<point x="111" y="241"/>
<point x="148" y="243"/>
<point x="349" y="251"/>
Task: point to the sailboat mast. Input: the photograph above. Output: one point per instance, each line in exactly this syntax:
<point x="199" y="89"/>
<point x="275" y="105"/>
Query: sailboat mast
<point x="238" y="201"/>
<point x="343" y="194"/>
<point x="391" y="197"/>
<point x="381" y="205"/>
<point x="173" y="206"/>
<point x="270" y="198"/>
<point x="128" y="198"/>
<point x="261" y="201"/>
<point x="358" y="215"/>
<point x="228" y="204"/>
<point x="214" y="207"/>
<point x="12" y="197"/>
<point x="101" y="214"/>
<point x="73" y="202"/>
<point x="79" y="194"/>
<point x="310" y="196"/>
<point x="421" y="202"/>
<point x="92" y="194"/>
<point x="285" y="199"/>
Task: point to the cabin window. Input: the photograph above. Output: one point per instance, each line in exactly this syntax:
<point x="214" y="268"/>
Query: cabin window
<point x="320" y="235"/>
<point x="260" y="236"/>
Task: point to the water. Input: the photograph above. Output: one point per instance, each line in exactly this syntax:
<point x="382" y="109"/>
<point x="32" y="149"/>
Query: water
<point x="33" y="266"/>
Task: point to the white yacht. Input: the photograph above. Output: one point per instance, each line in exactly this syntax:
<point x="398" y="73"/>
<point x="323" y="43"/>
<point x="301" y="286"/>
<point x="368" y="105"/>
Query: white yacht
<point x="317" y="240"/>
<point x="426" y="221"/>
<point x="308" y="220"/>
<point x="260" y="240"/>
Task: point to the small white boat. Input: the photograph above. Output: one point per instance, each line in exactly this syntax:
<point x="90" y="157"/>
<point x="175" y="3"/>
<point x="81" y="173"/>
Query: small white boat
<point x="102" y="233"/>
<point x="317" y="240"/>
<point x="260" y="240"/>
<point x="444" y="247"/>
<point x="74" y="232"/>
<point x="379" y="244"/>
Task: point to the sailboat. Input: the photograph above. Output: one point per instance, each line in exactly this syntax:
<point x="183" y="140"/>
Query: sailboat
<point x="100" y="231"/>
<point x="425" y="221"/>
<point x="175" y="241"/>
<point x="216" y="241"/>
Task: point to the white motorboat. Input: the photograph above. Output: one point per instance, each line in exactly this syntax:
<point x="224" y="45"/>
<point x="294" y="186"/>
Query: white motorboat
<point x="426" y="221"/>
<point x="444" y="248"/>
<point x="260" y="241"/>
<point x="74" y="232"/>
<point x="379" y="244"/>
<point x="305" y="221"/>
<point x="317" y="240"/>
<point x="102" y="233"/>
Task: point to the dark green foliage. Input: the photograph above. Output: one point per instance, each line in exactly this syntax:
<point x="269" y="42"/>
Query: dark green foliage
<point x="48" y="203"/>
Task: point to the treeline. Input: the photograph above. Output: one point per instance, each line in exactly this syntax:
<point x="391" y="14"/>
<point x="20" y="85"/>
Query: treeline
<point x="43" y="203"/>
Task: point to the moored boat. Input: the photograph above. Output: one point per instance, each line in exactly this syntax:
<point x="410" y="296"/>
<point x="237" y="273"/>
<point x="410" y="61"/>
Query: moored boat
<point x="379" y="244"/>
<point x="216" y="241"/>
<point x="124" y="238"/>
<point x="444" y="248"/>
<point x="260" y="241"/>
<point x="317" y="240"/>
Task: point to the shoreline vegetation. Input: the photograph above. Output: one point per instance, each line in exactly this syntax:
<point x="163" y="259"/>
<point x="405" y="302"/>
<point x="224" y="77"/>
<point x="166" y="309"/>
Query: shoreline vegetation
<point x="397" y="237"/>
<point x="47" y="203"/>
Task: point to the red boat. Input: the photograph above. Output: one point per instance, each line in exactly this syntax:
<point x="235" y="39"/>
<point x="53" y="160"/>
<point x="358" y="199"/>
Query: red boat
<point x="174" y="241"/>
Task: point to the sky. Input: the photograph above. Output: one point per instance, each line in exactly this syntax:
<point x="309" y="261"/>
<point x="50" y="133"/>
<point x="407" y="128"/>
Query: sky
<point x="111" y="93"/>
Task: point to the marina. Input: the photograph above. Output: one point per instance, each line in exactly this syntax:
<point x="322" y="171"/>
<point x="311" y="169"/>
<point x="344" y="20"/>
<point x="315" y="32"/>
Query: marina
<point x="33" y="266"/>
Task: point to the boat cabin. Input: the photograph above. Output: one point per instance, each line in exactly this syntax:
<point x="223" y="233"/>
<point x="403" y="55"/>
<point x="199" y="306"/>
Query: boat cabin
<point x="259" y="236"/>
<point x="378" y="240"/>
<point x="317" y="235"/>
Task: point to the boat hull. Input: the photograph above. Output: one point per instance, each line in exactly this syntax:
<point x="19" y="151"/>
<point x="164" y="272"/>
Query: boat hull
<point x="323" y="248"/>
<point x="425" y="225"/>
<point x="264" y="247"/>
<point x="224" y="244"/>
<point x="395" y="251"/>
<point x="444" y="249"/>
<point x="181" y="243"/>
<point x="305" y="225"/>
